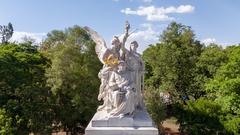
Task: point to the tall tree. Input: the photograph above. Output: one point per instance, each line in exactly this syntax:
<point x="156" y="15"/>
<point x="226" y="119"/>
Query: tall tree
<point x="23" y="92"/>
<point x="224" y="89"/>
<point x="6" y="32"/>
<point x="73" y="76"/>
<point x="170" y="63"/>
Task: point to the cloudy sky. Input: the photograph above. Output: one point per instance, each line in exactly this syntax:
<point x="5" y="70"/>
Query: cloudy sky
<point x="212" y="20"/>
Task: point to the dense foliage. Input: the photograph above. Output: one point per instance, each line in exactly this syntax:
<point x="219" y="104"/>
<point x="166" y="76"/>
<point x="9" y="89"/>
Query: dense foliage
<point x="211" y="58"/>
<point x="180" y="65"/>
<point x="51" y="88"/>
<point x="200" y="117"/>
<point x="170" y="64"/>
<point x="6" y="127"/>
<point x="155" y="105"/>
<point x="224" y="89"/>
<point x="72" y="77"/>
<point x="23" y="93"/>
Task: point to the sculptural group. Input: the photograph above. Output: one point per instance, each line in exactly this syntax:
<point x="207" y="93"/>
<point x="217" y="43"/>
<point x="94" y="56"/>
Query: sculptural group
<point x="121" y="76"/>
<point x="123" y="111"/>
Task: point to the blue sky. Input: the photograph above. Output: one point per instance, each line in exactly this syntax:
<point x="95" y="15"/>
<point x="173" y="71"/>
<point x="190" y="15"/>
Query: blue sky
<point x="212" y="20"/>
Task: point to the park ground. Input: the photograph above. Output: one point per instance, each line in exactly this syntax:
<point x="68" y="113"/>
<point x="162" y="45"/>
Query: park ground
<point x="170" y="127"/>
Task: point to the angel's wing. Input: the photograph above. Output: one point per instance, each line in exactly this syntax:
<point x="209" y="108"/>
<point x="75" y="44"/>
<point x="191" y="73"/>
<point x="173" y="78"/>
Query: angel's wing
<point x="101" y="48"/>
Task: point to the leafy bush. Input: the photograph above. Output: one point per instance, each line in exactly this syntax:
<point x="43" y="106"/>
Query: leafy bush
<point x="6" y="127"/>
<point x="155" y="105"/>
<point x="200" y="117"/>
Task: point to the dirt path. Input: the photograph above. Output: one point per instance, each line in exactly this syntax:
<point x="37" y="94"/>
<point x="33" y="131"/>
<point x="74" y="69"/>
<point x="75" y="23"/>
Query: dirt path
<point x="170" y="127"/>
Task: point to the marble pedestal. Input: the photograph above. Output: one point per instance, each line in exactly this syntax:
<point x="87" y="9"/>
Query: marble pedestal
<point x="140" y="124"/>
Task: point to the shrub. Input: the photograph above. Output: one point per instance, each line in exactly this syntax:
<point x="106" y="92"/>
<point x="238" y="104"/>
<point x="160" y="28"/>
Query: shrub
<point x="200" y="117"/>
<point x="155" y="105"/>
<point x="6" y="127"/>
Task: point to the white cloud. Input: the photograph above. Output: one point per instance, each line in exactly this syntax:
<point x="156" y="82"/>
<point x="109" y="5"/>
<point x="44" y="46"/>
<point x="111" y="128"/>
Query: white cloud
<point x="147" y="1"/>
<point x="19" y="36"/>
<point x="209" y="41"/>
<point x="153" y="13"/>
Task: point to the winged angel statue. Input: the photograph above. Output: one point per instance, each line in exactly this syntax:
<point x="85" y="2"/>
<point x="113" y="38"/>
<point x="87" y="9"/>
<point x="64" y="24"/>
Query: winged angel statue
<point x="121" y="76"/>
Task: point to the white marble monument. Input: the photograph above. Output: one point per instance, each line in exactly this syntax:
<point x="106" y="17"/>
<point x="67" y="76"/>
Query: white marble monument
<point x="123" y="111"/>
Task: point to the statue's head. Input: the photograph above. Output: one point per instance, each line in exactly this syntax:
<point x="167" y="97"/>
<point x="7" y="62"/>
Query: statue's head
<point x="122" y="66"/>
<point x="134" y="46"/>
<point x="116" y="43"/>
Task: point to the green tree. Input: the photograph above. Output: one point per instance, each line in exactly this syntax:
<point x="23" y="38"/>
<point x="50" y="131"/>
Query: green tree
<point x="6" y="32"/>
<point x="224" y="89"/>
<point x="23" y="90"/>
<point x="170" y="63"/>
<point x="54" y="38"/>
<point x="211" y="58"/>
<point x="73" y="76"/>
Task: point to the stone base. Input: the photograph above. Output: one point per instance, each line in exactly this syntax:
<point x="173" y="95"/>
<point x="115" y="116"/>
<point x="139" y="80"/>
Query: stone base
<point x="140" y="124"/>
<point x="140" y="119"/>
<point x="120" y="130"/>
